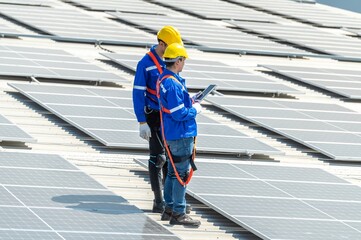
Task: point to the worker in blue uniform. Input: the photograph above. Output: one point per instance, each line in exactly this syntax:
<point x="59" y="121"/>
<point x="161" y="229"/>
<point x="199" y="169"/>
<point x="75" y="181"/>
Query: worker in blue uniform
<point x="179" y="129"/>
<point x="146" y="109"/>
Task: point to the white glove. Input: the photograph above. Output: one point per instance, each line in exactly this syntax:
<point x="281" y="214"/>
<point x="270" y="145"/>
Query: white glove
<point x="198" y="107"/>
<point x="144" y="131"/>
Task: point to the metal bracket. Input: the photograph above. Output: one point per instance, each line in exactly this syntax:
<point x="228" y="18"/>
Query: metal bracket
<point x="34" y="79"/>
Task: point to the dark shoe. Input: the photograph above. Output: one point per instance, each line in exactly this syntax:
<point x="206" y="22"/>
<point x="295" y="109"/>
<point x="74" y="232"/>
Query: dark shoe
<point x="158" y="207"/>
<point x="188" y="208"/>
<point x="184" y="219"/>
<point x="166" y="215"/>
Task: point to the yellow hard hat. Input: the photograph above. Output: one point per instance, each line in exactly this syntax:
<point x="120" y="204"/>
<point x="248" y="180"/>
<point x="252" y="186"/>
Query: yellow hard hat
<point x="174" y="51"/>
<point x="169" y="35"/>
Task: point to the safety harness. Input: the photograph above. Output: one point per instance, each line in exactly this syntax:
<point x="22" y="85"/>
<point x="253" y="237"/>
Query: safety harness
<point x="155" y="61"/>
<point x="171" y="157"/>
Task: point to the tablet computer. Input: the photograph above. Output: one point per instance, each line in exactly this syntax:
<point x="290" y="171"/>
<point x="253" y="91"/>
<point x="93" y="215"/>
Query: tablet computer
<point x="205" y="92"/>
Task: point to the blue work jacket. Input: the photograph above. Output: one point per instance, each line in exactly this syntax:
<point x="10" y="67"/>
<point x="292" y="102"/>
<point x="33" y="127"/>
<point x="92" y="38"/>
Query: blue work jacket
<point x="179" y="117"/>
<point x="146" y="77"/>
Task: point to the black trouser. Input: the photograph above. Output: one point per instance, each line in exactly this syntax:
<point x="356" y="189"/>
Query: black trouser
<point x="156" y="174"/>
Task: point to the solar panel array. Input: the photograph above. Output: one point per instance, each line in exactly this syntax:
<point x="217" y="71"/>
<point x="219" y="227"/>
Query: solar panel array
<point x="309" y="13"/>
<point x="211" y="37"/>
<point x="75" y="25"/>
<point x="345" y="48"/>
<point x="277" y="202"/>
<point x="45" y="197"/>
<point x="107" y="115"/>
<point x="137" y="6"/>
<point x="327" y="128"/>
<point x="345" y="82"/>
<point x="50" y="63"/>
<point x="200" y="73"/>
<point x="217" y="9"/>
<point x="9" y="131"/>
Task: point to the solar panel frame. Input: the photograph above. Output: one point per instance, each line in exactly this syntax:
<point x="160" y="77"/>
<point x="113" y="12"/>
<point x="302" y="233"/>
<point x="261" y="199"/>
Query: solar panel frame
<point x="72" y="25"/>
<point x="210" y="37"/>
<point x="135" y="6"/>
<point x="276" y="201"/>
<point x="338" y="46"/>
<point x="51" y="202"/>
<point x="216" y="9"/>
<point x="263" y="111"/>
<point x="50" y="63"/>
<point x="34" y="2"/>
<point x="12" y="132"/>
<point x="308" y="13"/>
<point x="329" y="79"/>
<point x="77" y="109"/>
<point x="202" y="73"/>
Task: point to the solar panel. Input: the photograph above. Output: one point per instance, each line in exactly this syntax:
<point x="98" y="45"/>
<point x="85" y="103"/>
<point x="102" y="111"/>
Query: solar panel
<point x="33" y="2"/>
<point x="309" y="13"/>
<point x="50" y="63"/>
<point x="6" y="29"/>
<point x="279" y="202"/>
<point x="11" y="132"/>
<point x="289" y="119"/>
<point x="200" y="73"/>
<point x="74" y="25"/>
<point x="211" y="37"/>
<point x="345" y="82"/>
<point x="137" y="6"/>
<point x="45" y="201"/>
<point x="355" y="31"/>
<point x="107" y="115"/>
<point x="345" y="48"/>
<point x="216" y="9"/>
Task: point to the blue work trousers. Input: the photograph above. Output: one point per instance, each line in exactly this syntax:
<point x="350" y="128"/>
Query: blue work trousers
<point x="174" y="192"/>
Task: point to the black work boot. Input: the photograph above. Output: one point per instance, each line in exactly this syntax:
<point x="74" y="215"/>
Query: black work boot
<point x="184" y="219"/>
<point x="167" y="214"/>
<point x="158" y="207"/>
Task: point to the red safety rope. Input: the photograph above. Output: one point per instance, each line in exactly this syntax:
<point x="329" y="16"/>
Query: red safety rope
<point x="184" y="184"/>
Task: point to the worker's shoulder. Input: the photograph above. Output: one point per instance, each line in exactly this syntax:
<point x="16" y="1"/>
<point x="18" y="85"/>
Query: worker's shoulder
<point x="145" y="61"/>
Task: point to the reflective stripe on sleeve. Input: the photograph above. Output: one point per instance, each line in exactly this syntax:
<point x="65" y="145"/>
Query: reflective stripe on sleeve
<point x="139" y="87"/>
<point x="150" y="68"/>
<point x="177" y="108"/>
